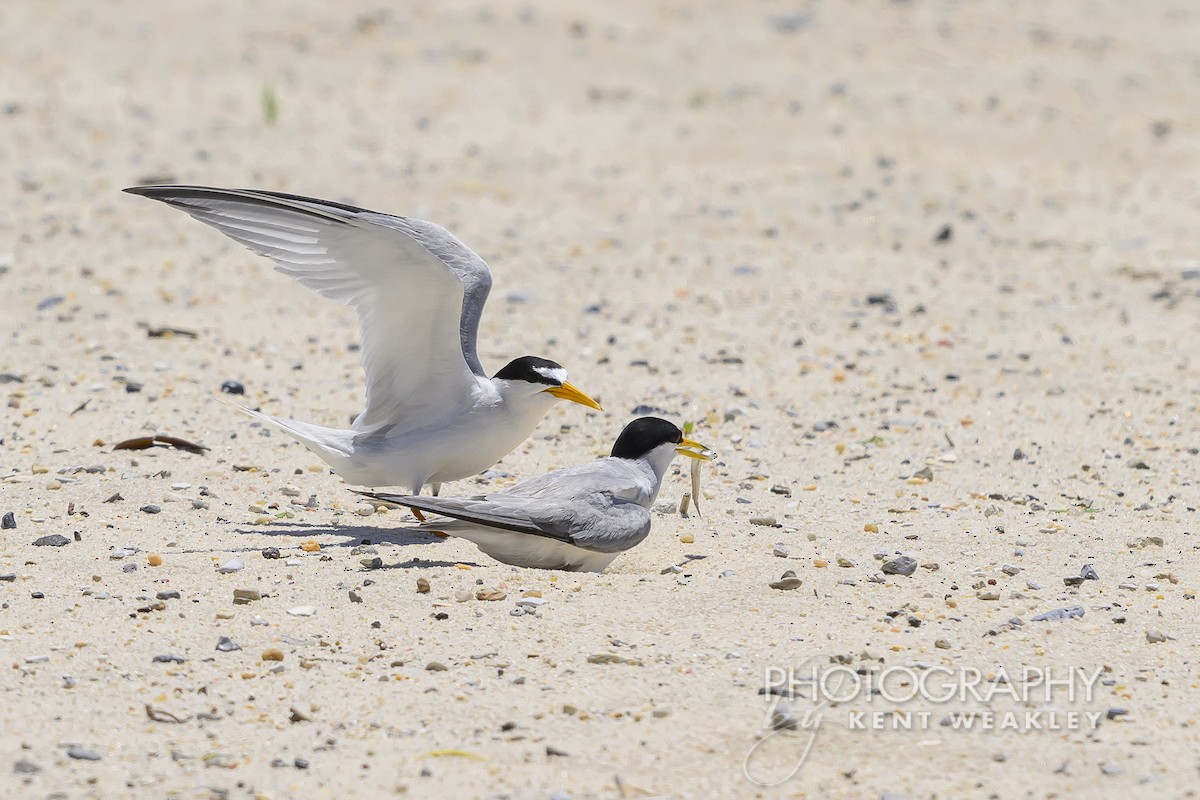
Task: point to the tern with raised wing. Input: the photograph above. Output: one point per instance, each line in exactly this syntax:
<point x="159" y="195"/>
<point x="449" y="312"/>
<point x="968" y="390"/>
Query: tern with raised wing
<point x="432" y="414"/>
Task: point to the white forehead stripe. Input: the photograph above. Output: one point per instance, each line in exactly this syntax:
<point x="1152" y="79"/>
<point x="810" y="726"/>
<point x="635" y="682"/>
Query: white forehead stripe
<point x="556" y="374"/>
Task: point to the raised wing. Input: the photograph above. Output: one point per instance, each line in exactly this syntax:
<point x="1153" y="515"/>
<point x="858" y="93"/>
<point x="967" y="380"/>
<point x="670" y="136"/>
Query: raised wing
<point x="417" y="290"/>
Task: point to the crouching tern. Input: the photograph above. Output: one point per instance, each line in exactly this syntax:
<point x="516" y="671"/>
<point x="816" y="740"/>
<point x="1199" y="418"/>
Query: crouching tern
<point x="576" y="519"/>
<point x="432" y="413"/>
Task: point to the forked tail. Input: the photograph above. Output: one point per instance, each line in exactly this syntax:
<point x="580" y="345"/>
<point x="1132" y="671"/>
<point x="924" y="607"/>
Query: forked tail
<point x="335" y="447"/>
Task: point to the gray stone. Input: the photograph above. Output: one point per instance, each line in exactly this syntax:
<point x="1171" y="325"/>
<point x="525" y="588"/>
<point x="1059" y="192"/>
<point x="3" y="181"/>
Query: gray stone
<point x="1059" y="614"/>
<point x="903" y="565"/>
<point x="82" y="753"/>
<point x="243" y="596"/>
<point x="53" y="540"/>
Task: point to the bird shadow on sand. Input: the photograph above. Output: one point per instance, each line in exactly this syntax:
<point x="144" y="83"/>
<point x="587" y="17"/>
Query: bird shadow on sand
<point x="352" y="536"/>
<point x="356" y="536"/>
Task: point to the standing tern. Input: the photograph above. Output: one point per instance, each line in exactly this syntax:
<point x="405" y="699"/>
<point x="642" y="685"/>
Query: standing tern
<point x="576" y="519"/>
<point x="432" y="413"/>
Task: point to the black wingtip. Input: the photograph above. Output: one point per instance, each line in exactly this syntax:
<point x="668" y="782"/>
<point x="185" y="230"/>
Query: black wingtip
<point x="392" y="499"/>
<point x="154" y="189"/>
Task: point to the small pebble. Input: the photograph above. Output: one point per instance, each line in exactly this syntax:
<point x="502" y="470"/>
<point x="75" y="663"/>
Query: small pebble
<point x="154" y="560"/>
<point x="765" y="522"/>
<point x="903" y="565"/>
<point x="1155" y="636"/>
<point x="82" y="753"/>
<point x="233" y="387"/>
<point x="687" y="538"/>
<point x="782" y="719"/>
<point x="462" y="594"/>
<point x="371" y="563"/>
<point x="1058" y="614"/>
<point x="490" y="594"/>
<point x="151" y="509"/>
<point x="171" y="594"/>
<point x="436" y="666"/>
<point x="781" y="550"/>
<point x="355" y="597"/>
<point x="24" y="766"/>
<point x="787" y="581"/>
<point x="170" y="658"/>
<point x="9" y="521"/>
<point x="302" y="611"/>
<point x="243" y="596"/>
<point x="226" y="645"/>
<point x="1010" y="569"/>
<point x="422" y="586"/>
<point x="270" y="552"/>
<point x="310" y="546"/>
<point x="232" y="565"/>
<point x="53" y="540"/>
<point x="845" y="562"/>
<point x="272" y="654"/>
<point x="1088" y="573"/>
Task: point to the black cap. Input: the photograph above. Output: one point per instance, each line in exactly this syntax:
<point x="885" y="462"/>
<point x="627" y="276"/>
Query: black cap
<point x="643" y="435"/>
<point x="532" y="369"/>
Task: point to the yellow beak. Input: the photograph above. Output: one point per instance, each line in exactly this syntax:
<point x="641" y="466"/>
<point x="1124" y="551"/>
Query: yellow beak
<point x="569" y="392"/>
<point x="699" y="452"/>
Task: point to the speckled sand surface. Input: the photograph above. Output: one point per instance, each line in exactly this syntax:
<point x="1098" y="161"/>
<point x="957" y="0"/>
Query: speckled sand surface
<point x="726" y="211"/>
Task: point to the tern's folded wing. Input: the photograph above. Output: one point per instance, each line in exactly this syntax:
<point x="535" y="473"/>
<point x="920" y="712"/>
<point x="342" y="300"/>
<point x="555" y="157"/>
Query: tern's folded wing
<point x="418" y="291"/>
<point x="597" y="522"/>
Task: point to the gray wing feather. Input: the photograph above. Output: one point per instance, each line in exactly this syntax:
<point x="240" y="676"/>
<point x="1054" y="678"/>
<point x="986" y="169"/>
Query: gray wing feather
<point x="409" y="290"/>
<point x="596" y="521"/>
<point x="477" y="510"/>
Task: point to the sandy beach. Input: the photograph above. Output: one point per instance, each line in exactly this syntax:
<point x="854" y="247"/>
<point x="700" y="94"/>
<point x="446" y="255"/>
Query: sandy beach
<point x="924" y="274"/>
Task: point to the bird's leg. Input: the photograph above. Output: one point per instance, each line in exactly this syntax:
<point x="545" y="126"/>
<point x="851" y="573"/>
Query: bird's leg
<point x="437" y="487"/>
<point x="416" y="511"/>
